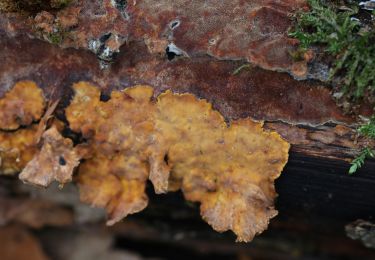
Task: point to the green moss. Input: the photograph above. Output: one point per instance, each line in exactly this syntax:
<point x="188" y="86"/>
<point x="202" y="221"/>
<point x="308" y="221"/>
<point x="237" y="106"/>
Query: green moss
<point x="58" y="36"/>
<point x="368" y="129"/>
<point x="55" y="38"/>
<point x="346" y="40"/>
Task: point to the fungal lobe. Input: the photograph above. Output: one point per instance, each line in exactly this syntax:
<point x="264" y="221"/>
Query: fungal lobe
<point x="17" y="149"/>
<point x="56" y="160"/>
<point x="119" y="131"/>
<point x="20" y="106"/>
<point x="178" y="142"/>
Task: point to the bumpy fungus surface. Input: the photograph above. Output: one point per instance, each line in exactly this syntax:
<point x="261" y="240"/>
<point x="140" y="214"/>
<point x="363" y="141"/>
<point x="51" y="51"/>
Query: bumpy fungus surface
<point x="120" y="134"/>
<point x="16" y="149"/>
<point x="22" y="105"/>
<point x="178" y="142"/>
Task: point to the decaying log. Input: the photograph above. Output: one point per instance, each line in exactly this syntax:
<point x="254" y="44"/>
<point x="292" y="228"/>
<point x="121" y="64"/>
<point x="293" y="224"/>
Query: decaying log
<point x="116" y="46"/>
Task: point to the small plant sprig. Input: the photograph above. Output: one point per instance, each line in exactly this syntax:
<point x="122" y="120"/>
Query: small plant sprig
<point x="367" y="130"/>
<point x="360" y="159"/>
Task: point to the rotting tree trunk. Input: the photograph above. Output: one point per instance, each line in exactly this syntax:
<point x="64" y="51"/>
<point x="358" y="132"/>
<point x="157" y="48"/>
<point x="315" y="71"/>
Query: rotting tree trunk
<point x="316" y="196"/>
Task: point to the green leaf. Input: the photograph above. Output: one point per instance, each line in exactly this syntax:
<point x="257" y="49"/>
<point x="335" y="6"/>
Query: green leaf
<point x="353" y="168"/>
<point x="360" y="159"/>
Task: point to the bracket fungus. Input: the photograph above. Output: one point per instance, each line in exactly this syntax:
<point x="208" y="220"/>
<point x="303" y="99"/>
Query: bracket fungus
<point x="177" y="141"/>
<point x="230" y="170"/>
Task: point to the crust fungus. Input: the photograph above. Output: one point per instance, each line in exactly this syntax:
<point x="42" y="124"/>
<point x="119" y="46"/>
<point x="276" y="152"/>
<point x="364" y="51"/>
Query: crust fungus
<point x="229" y="170"/>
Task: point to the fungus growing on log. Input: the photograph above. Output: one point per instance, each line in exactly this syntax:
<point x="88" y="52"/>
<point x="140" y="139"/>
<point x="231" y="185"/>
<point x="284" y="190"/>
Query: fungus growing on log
<point x="176" y="140"/>
<point x="230" y="170"/>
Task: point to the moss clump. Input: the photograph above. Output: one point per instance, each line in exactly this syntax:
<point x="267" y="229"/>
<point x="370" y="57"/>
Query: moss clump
<point x="368" y="129"/>
<point x="348" y="41"/>
<point x="56" y="37"/>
